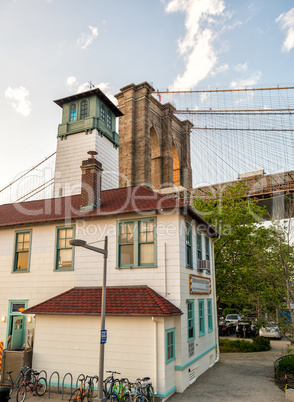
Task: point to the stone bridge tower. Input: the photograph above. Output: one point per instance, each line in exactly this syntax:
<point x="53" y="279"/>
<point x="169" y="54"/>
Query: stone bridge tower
<point x="154" y="144"/>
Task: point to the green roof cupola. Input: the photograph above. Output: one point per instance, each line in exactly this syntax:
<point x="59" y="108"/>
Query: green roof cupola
<point x="86" y="111"/>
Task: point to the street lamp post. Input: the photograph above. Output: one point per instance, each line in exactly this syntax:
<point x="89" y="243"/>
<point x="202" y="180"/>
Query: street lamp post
<point x="83" y="243"/>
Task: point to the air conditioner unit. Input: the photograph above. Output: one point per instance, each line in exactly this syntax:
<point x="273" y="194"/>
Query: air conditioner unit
<point x="204" y="265"/>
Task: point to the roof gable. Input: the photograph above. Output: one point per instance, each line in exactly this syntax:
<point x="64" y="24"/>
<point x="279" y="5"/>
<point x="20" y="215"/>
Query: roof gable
<point x="120" y="301"/>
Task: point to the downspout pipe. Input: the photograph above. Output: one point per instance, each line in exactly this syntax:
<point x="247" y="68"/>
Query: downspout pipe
<point x="155" y="320"/>
<point x="215" y="303"/>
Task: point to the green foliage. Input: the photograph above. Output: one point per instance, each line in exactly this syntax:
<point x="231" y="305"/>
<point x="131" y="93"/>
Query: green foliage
<point x="286" y="365"/>
<point x="249" y="272"/>
<point x="259" y="344"/>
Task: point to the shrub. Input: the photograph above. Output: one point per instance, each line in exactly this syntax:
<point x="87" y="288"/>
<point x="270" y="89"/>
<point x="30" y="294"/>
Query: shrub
<point x="259" y="344"/>
<point x="286" y="365"/>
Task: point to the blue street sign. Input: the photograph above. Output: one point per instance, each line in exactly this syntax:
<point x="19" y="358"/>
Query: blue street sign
<point x="103" y="336"/>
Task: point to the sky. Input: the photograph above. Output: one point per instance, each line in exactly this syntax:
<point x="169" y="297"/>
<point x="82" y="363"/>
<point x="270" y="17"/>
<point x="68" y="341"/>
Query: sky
<point x="52" y="48"/>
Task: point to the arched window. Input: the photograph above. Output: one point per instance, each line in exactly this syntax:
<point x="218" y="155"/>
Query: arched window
<point x="176" y="167"/>
<point x="73" y="112"/>
<point x="84" y="109"/>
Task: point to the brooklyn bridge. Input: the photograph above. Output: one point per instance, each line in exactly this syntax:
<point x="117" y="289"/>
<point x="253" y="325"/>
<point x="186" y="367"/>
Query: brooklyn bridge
<point x="237" y="135"/>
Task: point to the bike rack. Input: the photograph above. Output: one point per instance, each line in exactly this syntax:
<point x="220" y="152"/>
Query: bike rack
<point x="70" y="383"/>
<point x="58" y="378"/>
<point x="82" y="378"/>
<point x="45" y="374"/>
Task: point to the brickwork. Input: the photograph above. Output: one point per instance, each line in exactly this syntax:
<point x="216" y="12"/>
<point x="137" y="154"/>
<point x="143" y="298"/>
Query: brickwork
<point x="150" y="134"/>
<point x="91" y="183"/>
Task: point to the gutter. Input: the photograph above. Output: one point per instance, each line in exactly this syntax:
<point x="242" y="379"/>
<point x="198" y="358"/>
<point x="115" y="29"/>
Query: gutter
<point x="215" y="304"/>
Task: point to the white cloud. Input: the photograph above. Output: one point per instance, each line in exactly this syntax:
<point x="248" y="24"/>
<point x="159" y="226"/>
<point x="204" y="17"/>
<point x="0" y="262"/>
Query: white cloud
<point x="71" y="81"/>
<point x="287" y="23"/>
<point x="197" y="46"/>
<point x="241" y="68"/>
<point x="246" y="82"/>
<point x="85" y="40"/>
<point x="18" y="99"/>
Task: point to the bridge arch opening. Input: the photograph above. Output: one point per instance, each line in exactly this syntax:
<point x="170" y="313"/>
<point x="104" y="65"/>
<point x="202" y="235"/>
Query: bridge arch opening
<point x="176" y="167"/>
<point x="156" y="169"/>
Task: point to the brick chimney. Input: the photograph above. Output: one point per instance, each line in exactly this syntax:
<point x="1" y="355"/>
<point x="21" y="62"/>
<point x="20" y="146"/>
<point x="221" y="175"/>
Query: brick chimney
<point x="91" y="182"/>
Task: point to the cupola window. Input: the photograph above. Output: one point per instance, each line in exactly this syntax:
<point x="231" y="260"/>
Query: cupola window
<point x="109" y="120"/>
<point x="102" y="113"/>
<point x="84" y="109"/>
<point x="73" y="112"/>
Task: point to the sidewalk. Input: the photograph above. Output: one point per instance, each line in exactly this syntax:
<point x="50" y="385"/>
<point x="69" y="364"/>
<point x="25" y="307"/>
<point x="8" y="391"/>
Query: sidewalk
<point x="236" y="377"/>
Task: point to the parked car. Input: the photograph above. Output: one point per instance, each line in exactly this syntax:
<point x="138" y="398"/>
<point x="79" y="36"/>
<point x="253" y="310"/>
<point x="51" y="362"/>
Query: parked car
<point x="234" y="318"/>
<point x="226" y="328"/>
<point x="245" y="329"/>
<point x="271" y="330"/>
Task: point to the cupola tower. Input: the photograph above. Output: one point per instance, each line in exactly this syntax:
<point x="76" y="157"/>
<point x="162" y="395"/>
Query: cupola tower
<point x="88" y="124"/>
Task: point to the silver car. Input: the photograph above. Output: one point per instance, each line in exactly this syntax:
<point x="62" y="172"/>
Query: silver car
<point x="271" y="330"/>
<point x="234" y="318"/>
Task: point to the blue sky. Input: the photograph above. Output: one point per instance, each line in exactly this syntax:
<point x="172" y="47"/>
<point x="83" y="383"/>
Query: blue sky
<point x="52" y="48"/>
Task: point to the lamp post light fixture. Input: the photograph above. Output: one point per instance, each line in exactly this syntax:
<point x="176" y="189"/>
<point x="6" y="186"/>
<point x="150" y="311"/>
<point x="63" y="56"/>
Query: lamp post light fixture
<point x="104" y="251"/>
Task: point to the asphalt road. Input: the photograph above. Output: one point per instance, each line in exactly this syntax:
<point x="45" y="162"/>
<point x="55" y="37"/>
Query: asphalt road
<point x="238" y="377"/>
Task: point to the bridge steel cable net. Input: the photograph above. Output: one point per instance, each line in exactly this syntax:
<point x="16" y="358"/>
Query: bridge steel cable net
<point x="237" y="131"/>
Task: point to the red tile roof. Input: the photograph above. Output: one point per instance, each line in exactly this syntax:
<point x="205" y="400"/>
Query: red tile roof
<point x="113" y="202"/>
<point x="120" y="301"/>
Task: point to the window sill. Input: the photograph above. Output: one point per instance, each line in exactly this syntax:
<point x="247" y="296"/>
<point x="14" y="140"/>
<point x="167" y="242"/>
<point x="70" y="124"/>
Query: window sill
<point x="171" y="360"/>
<point x="20" y="271"/>
<point x="63" y="269"/>
<point x="138" y="267"/>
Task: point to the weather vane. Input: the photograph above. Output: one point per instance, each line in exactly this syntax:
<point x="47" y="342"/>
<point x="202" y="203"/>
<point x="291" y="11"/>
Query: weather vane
<point x="91" y="85"/>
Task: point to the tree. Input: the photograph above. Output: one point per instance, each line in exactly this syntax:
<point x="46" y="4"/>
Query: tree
<point x="248" y="271"/>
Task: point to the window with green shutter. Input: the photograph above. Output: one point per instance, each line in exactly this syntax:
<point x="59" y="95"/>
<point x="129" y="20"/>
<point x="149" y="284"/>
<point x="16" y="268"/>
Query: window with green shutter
<point x="22" y="251"/>
<point x="189" y="262"/>
<point x="191" y="320"/>
<point x="64" y="251"/>
<point x="137" y="243"/>
<point x="209" y="315"/>
<point x="201" y="317"/>
<point x="170" y="348"/>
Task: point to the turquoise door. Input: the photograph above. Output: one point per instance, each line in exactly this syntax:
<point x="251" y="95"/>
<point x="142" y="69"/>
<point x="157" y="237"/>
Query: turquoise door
<point x="17" y="336"/>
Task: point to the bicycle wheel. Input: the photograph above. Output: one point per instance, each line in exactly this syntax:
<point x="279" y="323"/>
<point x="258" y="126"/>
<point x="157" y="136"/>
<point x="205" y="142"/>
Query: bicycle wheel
<point x="21" y="393"/>
<point x="41" y="386"/>
<point x="141" y="398"/>
<point x="150" y="393"/>
<point x="112" y="398"/>
<point x="7" y="383"/>
<point x="76" y="396"/>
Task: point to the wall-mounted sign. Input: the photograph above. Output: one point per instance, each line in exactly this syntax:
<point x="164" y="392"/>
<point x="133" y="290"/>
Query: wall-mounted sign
<point x="199" y="285"/>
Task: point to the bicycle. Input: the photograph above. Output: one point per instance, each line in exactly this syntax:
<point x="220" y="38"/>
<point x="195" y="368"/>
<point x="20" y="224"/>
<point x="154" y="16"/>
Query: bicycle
<point x="109" y="384"/>
<point x="14" y="384"/>
<point x="85" y="390"/>
<point x="144" y="391"/>
<point x="36" y="385"/>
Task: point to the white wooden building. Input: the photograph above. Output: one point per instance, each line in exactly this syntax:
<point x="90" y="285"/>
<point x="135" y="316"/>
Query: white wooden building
<point x="161" y="317"/>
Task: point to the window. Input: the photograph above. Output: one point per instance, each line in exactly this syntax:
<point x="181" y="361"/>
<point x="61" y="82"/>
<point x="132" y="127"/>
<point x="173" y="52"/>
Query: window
<point x="73" y="112"/>
<point x="109" y="120"/>
<point x="191" y="320"/>
<point x="170" y="345"/>
<point x="199" y="247"/>
<point x="201" y="317"/>
<point x="22" y="251"/>
<point x="136" y="243"/>
<point x="188" y="245"/>
<point x="84" y="109"/>
<point x="209" y="315"/>
<point x="102" y="113"/>
<point x="64" y="251"/>
<point x="207" y="252"/>
<point x="207" y="249"/>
